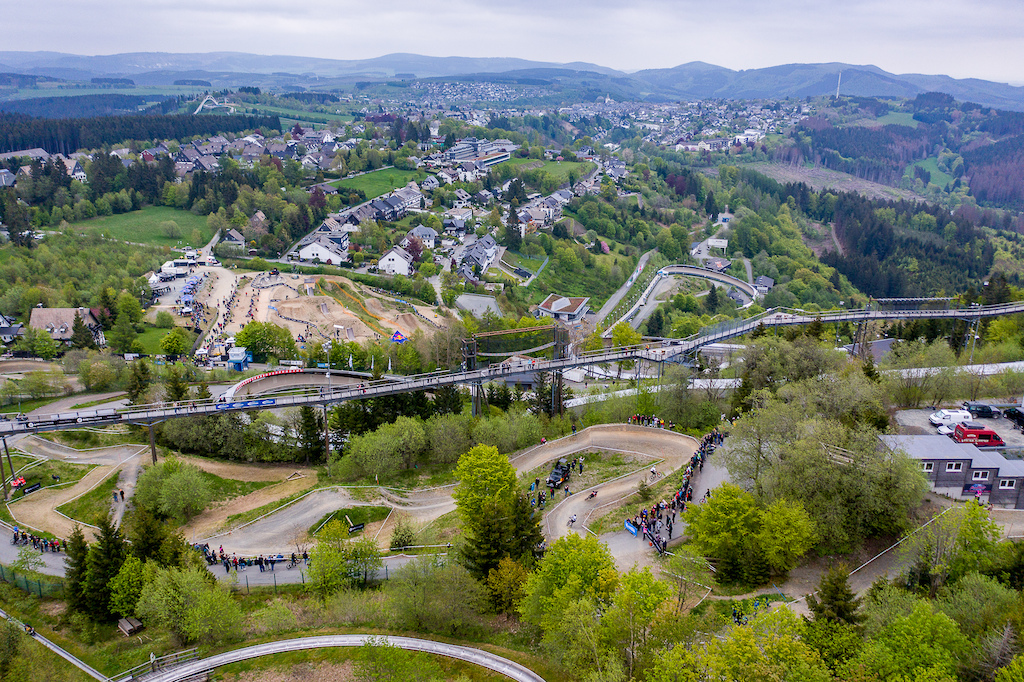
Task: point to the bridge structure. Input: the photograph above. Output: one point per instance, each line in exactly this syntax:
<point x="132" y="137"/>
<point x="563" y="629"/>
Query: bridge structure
<point x="655" y="350"/>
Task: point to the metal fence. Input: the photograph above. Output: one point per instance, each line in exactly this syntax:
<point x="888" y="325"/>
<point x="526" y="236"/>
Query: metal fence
<point x="40" y="588"/>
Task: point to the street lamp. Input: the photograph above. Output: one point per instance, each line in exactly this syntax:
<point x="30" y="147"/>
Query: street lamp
<point x="327" y="428"/>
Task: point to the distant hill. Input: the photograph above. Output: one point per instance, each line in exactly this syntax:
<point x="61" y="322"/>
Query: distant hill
<point x="696" y="80"/>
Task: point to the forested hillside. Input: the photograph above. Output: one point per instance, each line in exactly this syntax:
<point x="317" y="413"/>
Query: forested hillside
<point x="65" y="136"/>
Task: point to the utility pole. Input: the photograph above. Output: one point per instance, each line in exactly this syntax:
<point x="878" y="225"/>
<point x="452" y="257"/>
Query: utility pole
<point x="327" y="428"/>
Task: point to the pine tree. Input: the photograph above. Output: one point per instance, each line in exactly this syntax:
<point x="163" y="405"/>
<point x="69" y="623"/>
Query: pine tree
<point x="104" y="561"/>
<point x="835" y="601"/>
<point x="311" y="434"/>
<point x="139" y="380"/>
<point x="175" y="387"/>
<point x="524" y="530"/>
<point x="81" y="337"/>
<point x="122" y="336"/>
<point x="447" y="400"/>
<point x="76" y="565"/>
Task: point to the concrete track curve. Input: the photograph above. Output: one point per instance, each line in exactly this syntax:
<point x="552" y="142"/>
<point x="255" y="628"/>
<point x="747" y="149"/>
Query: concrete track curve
<point x="478" y="657"/>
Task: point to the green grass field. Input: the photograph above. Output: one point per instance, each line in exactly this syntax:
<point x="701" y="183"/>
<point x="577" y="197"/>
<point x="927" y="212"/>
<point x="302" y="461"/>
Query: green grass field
<point x="380" y="182"/>
<point x="353" y="515"/>
<point x="92" y="507"/>
<point x="931" y="164"/>
<point x="519" y="261"/>
<point x="559" y="169"/>
<point x="151" y="337"/>
<point x="68" y="473"/>
<point x="146" y="227"/>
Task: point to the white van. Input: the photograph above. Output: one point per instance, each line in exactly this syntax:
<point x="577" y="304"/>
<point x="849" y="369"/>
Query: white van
<point x="949" y="417"/>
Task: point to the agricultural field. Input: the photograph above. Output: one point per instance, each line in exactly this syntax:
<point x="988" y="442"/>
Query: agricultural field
<point x="147" y="227"/>
<point x="899" y="118"/>
<point x="380" y="182"/>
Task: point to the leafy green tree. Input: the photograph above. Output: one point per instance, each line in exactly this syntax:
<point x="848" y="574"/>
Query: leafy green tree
<point x="484" y="475"/>
<point x="628" y="622"/>
<point x="173" y="489"/>
<point x="951" y="546"/>
<point x="920" y="643"/>
<point x="129" y="306"/>
<point x="175" y="342"/>
<point x="433" y="597"/>
<point x="978" y="604"/>
<point x="336" y="561"/>
<point x="506" y="584"/>
<point x="81" y="337"/>
<point x="834" y="601"/>
<point x="264" y="339"/>
<point x="575" y="566"/>
<point x="76" y="566"/>
<point x="29" y="560"/>
<point x="390" y="448"/>
<point x="377" y="660"/>
<point x="139" y="380"/>
<point x="126" y="587"/>
<point x="190" y="604"/>
<point x="10" y="646"/>
<point x="690" y="573"/>
<point x="771" y="647"/>
<point x="164" y="320"/>
<point x="105" y="558"/>
<point x="122" y="336"/>
<point x="1012" y="672"/>
<point x="721" y="527"/>
<point x="786" y="534"/>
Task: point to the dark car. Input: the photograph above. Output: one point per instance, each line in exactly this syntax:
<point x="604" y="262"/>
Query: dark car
<point x="1016" y="415"/>
<point x="559" y="475"/>
<point x="982" y="410"/>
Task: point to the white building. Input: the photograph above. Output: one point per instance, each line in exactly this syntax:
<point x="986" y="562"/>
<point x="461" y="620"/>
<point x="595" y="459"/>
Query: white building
<point x="329" y="249"/>
<point x="397" y="261"/>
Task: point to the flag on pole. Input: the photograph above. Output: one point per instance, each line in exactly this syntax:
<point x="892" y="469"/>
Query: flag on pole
<point x="350" y="361"/>
<point x="389" y="364"/>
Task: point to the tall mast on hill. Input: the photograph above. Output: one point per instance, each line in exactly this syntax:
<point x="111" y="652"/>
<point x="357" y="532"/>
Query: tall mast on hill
<point x="838" y="82"/>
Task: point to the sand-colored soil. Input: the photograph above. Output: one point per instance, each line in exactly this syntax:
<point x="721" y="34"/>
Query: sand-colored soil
<point x="38" y="509"/>
<point x="214" y="518"/>
<point x="298" y="672"/>
<point x="244" y="471"/>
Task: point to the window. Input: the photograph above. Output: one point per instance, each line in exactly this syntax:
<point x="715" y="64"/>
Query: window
<point x="927" y="466"/>
<point x="1007" y="484"/>
<point x="954" y="466"/>
<point x="980" y="476"/>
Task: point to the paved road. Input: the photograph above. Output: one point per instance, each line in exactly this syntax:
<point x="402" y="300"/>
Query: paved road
<point x="478" y="657"/>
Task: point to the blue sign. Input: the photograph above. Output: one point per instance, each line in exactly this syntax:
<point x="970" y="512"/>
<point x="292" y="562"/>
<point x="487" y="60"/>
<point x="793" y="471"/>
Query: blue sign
<point x="322" y="365"/>
<point x="630" y="527"/>
<point x="246" y="404"/>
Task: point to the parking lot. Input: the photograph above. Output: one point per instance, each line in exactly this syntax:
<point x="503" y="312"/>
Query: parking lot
<point x="916" y="422"/>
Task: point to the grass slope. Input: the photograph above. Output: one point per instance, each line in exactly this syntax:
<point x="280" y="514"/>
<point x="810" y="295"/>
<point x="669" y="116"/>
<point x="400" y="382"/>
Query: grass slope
<point x="144" y="227"/>
<point x="380" y="181"/>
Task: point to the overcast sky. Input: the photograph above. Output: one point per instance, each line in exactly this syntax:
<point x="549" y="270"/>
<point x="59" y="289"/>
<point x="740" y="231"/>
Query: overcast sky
<point x="960" y="38"/>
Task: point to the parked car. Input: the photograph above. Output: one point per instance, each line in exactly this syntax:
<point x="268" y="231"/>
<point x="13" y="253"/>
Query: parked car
<point x="1016" y="415"/>
<point x="948" y="429"/>
<point x="559" y="475"/>
<point x="949" y="417"/>
<point x="982" y="410"/>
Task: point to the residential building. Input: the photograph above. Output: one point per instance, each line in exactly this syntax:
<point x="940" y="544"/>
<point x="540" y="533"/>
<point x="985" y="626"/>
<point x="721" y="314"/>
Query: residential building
<point x="232" y="238"/>
<point x="329" y="248"/>
<point x="60" y="322"/>
<point x="397" y="261"/>
<point x="763" y="284"/>
<point x="10" y="329"/>
<point x="563" y="308"/>
<point x="426" y="235"/>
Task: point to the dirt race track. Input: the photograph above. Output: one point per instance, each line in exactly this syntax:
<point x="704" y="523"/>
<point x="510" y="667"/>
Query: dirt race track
<point x="671" y="451"/>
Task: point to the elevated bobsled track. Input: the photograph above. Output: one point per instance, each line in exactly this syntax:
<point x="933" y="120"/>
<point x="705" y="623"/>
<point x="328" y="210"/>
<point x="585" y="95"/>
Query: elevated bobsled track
<point x="478" y="657"/>
<point x="745" y="288"/>
<point x="655" y="350"/>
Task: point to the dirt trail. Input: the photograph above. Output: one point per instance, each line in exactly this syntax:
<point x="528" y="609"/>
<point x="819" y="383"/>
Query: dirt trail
<point x="214" y="518"/>
<point x="38" y="509"/>
<point x="244" y="471"/>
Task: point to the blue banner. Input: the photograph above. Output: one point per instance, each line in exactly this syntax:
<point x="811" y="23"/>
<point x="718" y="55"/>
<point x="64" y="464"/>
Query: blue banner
<point x="245" y="404"/>
<point x="630" y="527"/>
